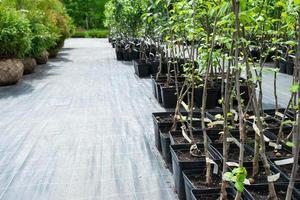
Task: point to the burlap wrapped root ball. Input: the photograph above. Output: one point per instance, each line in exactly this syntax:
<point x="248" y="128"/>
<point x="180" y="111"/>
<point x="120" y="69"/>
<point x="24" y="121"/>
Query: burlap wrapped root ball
<point x="11" y="71"/>
<point x="43" y="58"/>
<point x="29" y="65"/>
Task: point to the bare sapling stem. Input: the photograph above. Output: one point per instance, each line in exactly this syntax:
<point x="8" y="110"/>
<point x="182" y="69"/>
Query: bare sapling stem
<point x="275" y="91"/>
<point x="296" y="147"/>
<point x="238" y="91"/>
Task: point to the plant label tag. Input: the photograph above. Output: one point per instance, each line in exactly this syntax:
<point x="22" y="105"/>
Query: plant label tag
<point x="232" y="139"/>
<point x="207" y="120"/>
<point x="181" y="118"/>
<point x="251" y="117"/>
<point x="279" y="114"/>
<point x="266" y="139"/>
<point x="215" y="170"/>
<point x="276" y="146"/>
<point x="273" y="178"/>
<point x="247" y="182"/>
<point x="185" y="135"/>
<point x="256" y="129"/>
<point x="218" y="117"/>
<point x="185" y="106"/>
<point x="236" y="116"/>
<point x="212" y="124"/>
<point x="232" y="164"/>
<point x="284" y="162"/>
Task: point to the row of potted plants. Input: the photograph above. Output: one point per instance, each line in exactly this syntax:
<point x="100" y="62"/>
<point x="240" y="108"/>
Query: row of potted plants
<point x="31" y="32"/>
<point x="219" y="142"/>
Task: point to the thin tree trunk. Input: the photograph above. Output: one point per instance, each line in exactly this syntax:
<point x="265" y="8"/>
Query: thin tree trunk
<point x="297" y="132"/>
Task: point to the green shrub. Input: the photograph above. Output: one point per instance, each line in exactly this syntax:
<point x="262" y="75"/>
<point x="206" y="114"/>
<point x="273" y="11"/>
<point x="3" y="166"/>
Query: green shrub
<point x="94" y="33"/>
<point x="58" y="21"/>
<point x="15" y="34"/>
<point x="42" y="37"/>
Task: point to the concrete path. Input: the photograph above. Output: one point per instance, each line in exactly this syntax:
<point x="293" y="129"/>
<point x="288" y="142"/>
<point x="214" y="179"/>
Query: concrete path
<point x="81" y="128"/>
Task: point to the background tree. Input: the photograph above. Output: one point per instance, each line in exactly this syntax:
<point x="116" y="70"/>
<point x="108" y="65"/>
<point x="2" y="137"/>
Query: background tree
<point x="87" y="14"/>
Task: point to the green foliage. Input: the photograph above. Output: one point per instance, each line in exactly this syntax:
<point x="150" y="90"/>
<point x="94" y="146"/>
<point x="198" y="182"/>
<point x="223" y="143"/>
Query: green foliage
<point x="294" y="88"/>
<point x="42" y="37"/>
<point x="15" y="34"/>
<point x="87" y="14"/>
<point x="290" y="144"/>
<point x="238" y="176"/>
<point x="94" y="33"/>
<point x="30" y="27"/>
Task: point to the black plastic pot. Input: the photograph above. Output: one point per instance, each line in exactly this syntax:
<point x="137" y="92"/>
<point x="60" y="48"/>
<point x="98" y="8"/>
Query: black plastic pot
<point x="189" y="185"/>
<point x="165" y="146"/>
<point x="135" y="54"/>
<point x="119" y="54"/>
<point x="153" y="69"/>
<point x="163" y="126"/>
<point x="158" y="92"/>
<point x="154" y="86"/>
<point x="127" y="55"/>
<point x="282" y="66"/>
<point x="168" y="96"/>
<point x="141" y="68"/>
<point x="290" y="68"/>
<point x="180" y="165"/>
<point x="263" y="191"/>
<point x="212" y="97"/>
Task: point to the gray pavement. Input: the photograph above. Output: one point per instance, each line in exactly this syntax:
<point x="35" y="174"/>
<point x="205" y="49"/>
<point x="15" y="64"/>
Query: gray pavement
<point x="81" y="128"/>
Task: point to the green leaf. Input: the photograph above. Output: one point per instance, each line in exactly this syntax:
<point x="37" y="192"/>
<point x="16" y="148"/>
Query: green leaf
<point x="290" y="144"/>
<point x="294" y="88"/>
<point x="228" y="176"/>
<point x="239" y="186"/>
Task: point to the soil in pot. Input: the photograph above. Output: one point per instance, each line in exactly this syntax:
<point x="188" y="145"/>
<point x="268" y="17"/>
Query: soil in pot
<point x="261" y="177"/>
<point x="177" y="137"/>
<point x="260" y="192"/>
<point x="195" y="179"/>
<point x="212" y="194"/>
<point x="287" y="171"/>
<point x="233" y="153"/>
<point x="182" y="160"/>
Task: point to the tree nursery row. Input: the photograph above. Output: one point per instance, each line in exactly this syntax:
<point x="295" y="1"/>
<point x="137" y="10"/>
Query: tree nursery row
<point x="30" y="32"/>
<point x="206" y="59"/>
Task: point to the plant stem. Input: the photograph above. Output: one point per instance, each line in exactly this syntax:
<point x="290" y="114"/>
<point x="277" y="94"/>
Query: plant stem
<point x="296" y="133"/>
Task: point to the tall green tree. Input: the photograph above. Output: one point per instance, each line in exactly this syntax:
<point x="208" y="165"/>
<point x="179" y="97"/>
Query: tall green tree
<point x="87" y="14"/>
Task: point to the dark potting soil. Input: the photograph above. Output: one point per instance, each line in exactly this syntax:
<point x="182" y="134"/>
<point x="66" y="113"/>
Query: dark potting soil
<point x="181" y="140"/>
<point x="233" y="155"/>
<point x="213" y="196"/>
<point x="261" y="177"/>
<point x="278" y="154"/>
<point x="165" y="119"/>
<point x="199" y="179"/>
<point x="271" y="123"/>
<point x="287" y="169"/>
<point x="184" y="155"/>
<point x="263" y="194"/>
